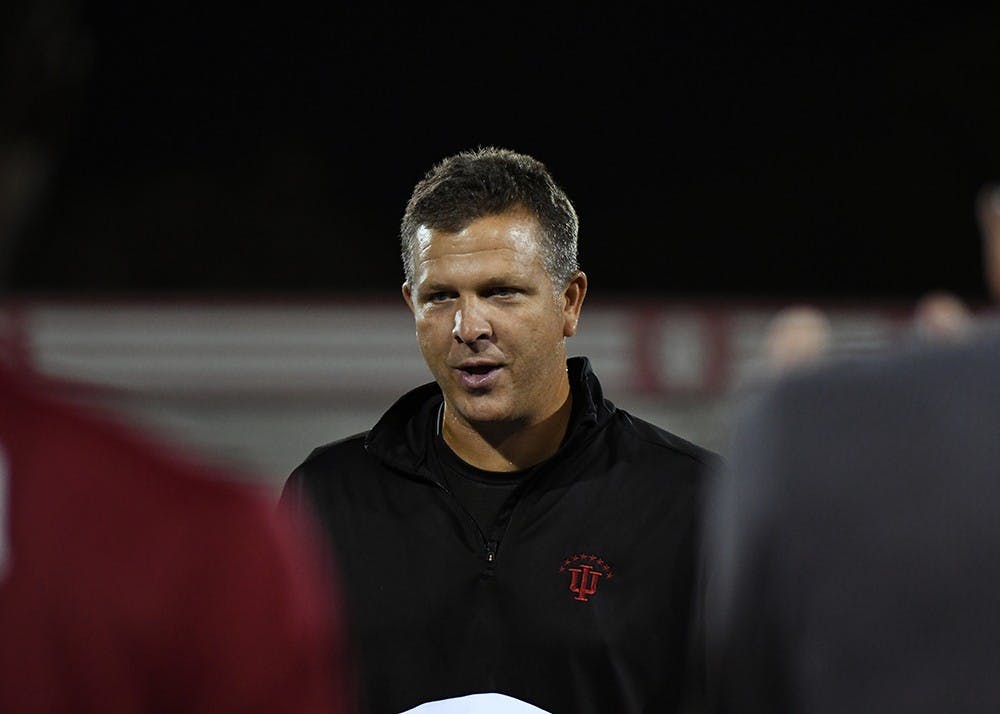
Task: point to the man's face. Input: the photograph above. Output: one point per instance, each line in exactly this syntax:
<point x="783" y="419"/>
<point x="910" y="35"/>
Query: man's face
<point x="490" y="323"/>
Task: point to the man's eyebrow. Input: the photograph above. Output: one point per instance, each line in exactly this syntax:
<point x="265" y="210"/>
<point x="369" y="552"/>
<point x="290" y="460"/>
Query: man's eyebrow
<point x="502" y="281"/>
<point x="435" y="287"/>
<point x="494" y="281"/>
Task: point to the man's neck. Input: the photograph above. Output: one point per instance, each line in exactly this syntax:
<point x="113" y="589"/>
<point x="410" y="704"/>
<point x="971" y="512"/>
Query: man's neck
<point x="508" y="446"/>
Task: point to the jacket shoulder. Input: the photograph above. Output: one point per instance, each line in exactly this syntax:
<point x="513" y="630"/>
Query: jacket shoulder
<point x="897" y="381"/>
<point x="347" y="447"/>
<point x="660" y="440"/>
<point x="323" y="464"/>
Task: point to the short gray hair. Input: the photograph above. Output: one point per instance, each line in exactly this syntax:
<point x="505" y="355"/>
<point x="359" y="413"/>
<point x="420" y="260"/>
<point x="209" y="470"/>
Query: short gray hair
<point x="487" y="182"/>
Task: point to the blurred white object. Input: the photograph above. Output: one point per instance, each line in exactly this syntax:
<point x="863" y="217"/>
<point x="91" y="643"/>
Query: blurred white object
<point x="477" y="704"/>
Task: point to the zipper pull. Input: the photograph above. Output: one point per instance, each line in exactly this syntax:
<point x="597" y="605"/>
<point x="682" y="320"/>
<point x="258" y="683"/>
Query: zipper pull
<point x="491" y="551"/>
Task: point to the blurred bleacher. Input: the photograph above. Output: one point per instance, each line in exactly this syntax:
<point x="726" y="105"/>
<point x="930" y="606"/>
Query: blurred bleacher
<point x="258" y="384"/>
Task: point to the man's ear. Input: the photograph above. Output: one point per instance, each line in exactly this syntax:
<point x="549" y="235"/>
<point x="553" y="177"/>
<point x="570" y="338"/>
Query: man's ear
<point x="573" y="295"/>
<point x="408" y="296"/>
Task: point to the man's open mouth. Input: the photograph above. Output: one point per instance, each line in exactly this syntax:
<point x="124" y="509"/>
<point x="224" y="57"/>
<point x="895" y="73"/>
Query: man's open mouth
<point x="480" y="376"/>
<point x="479" y="369"/>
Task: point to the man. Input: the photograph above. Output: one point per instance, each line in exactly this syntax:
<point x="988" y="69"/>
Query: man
<point x="855" y="539"/>
<point x="132" y="579"/>
<point x="941" y="315"/>
<point x="506" y="530"/>
<point x="796" y="337"/>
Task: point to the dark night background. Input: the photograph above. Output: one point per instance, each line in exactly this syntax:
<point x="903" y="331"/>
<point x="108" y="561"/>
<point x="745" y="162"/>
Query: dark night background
<point x="270" y="149"/>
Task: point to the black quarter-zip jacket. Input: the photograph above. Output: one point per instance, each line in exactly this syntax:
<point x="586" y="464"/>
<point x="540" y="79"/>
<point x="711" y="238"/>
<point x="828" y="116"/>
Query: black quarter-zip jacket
<point x="578" y="599"/>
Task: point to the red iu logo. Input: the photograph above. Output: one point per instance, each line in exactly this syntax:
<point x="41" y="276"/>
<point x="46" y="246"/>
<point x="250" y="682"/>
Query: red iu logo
<point x="585" y="571"/>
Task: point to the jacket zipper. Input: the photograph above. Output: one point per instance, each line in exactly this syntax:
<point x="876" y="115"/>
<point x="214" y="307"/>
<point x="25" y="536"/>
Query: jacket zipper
<point x="490" y="545"/>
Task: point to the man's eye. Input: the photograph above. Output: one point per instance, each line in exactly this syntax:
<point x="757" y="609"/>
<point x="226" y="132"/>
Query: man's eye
<point x="502" y="291"/>
<point x="438" y="297"/>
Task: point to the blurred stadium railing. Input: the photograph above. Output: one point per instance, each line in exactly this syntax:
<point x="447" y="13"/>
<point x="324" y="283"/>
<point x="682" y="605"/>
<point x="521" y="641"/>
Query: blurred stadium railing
<point x="259" y="384"/>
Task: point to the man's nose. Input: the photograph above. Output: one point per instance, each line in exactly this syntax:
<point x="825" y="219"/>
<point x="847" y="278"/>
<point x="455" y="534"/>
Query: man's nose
<point x="471" y="323"/>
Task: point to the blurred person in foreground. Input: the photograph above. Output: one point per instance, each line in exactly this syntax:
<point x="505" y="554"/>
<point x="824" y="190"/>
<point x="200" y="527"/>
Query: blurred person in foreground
<point x="133" y="579"/>
<point x="854" y="536"/>
<point x="508" y="537"/>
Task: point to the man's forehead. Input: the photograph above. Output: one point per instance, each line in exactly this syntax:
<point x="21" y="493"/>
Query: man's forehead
<point x="516" y="231"/>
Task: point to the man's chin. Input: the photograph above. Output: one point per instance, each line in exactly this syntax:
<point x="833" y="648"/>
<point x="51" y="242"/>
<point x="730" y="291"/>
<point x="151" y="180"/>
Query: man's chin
<point x="483" y="410"/>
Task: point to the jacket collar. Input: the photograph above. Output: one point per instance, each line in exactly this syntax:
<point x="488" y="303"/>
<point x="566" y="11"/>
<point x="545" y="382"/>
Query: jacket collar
<point x="403" y="436"/>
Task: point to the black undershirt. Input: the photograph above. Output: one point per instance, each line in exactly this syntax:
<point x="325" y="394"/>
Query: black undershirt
<point x="482" y="493"/>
